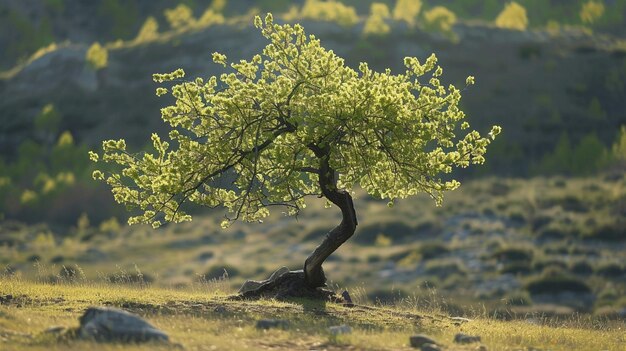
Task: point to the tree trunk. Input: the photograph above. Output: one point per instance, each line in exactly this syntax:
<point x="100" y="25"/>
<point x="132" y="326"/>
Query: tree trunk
<point x="313" y="272"/>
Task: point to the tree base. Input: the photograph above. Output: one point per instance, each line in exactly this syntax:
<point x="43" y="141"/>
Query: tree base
<point x="285" y="284"/>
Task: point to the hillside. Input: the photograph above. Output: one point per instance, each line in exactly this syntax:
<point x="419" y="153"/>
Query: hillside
<point x="538" y="86"/>
<point x="202" y="319"/>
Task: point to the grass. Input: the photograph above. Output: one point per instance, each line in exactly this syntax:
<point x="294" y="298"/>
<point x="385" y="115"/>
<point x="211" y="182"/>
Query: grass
<point x="200" y="318"/>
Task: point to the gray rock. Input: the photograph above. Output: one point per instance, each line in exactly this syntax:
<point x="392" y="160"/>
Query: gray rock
<point x="111" y="324"/>
<point x="419" y="340"/>
<point x="340" y="329"/>
<point x="430" y="347"/>
<point x="56" y="330"/>
<point x="250" y="285"/>
<point x="272" y="324"/>
<point x="461" y="338"/>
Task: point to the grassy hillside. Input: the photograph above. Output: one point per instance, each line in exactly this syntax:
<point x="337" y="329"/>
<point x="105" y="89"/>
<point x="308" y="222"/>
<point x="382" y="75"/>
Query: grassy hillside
<point x="495" y="245"/>
<point x="200" y="318"/>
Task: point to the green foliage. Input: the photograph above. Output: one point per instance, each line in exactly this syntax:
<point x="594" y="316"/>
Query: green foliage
<point x="589" y="156"/>
<point x="149" y="30"/>
<point x="97" y="56"/>
<point x="513" y="16"/>
<point x="618" y="151"/>
<point x="375" y="23"/>
<point x="440" y="19"/>
<point x="407" y="11"/>
<point x="210" y="17"/>
<point x="331" y="10"/>
<point x="274" y="123"/>
<point x="179" y="17"/>
<point x="591" y="11"/>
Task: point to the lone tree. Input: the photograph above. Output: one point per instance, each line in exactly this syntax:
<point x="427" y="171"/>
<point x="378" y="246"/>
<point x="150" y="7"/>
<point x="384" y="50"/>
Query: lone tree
<point x="292" y="122"/>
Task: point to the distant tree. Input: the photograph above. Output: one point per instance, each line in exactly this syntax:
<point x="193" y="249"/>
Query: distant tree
<point x="97" y="56"/>
<point x="332" y="11"/>
<point x="375" y="23"/>
<point x="591" y="11"/>
<point x="513" y="17"/>
<point x="407" y="10"/>
<point x="618" y="151"/>
<point x="440" y="19"/>
<point x="149" y="30"/>
<point x="294" y="122"/>
<point x="179" y="17"/>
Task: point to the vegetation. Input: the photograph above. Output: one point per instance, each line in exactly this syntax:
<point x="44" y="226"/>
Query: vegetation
<point x="175" y="312"/>
<point x="332" y="11"/>
<point x="440" y="19"/>
<point x="512" y="17"/>
<point x="591" y="11"/>
<point x="407" y="11"/>
<point x="270" y="127"/>
<point x="375" y="23"/>
<point x="97" y="56"/>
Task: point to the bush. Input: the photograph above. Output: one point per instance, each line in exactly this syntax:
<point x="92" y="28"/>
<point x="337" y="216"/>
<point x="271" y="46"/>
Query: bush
<point x="375" y="23"/>
<point x="179" y="17"/>
<point x="581" y="268"/>
<point x="97" y="56"/>
<point x="555" y="283"/>
<point x="591" y="11"/>
<point x="440" y="19"/>
<point x="331" y="11"/>
<point x="407" y="11"/>
<point x="513" y="16"/>
<point x="149" y="30"/>
<point x="610" y="270"/>
<point x="512" y="254"/>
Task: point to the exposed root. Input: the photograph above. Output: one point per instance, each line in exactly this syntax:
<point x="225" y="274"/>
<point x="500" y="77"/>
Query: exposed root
<point x="290" y="284"/>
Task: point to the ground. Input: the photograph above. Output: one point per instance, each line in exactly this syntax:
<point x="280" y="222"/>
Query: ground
<point x="201" y="318"/>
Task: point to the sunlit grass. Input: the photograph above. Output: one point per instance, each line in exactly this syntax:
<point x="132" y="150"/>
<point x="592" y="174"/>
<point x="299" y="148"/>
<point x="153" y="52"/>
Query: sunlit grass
<point x="201" y="318"/>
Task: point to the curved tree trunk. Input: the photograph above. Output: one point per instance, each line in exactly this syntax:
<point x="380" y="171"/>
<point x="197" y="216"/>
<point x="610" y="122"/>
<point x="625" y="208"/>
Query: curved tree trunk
<point x="313" y="272"/>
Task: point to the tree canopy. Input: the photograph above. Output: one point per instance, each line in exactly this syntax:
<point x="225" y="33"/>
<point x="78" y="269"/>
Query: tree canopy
<point x="269" y="130"/>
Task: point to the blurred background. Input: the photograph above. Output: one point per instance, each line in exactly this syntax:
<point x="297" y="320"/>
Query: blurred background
<point x="540" y="228"/>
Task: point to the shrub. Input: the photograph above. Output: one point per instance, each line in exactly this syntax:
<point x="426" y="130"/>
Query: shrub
<point x="444" y="268"/>
<point x="610" y="270"/>
<point x="375" y="23"/>
<point x="440" y="19"/>
<point x="179" y="17"/>
<point x="513" y="16"/>
<point x="581" y="268"/>
<point x="210" y="18"/>
<point x="97" y="56"/>
<point x="149" y="30"/>
<point x="407" y="10"/>
<point x="331" y="11"/>
<point x="512" y="254"/>
<point x="556" y="282"/>
<point x="591" y="11"/>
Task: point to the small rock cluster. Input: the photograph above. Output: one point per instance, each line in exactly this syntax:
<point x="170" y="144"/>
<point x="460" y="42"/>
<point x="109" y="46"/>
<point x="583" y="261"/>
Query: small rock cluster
<point x="426" y="343"/>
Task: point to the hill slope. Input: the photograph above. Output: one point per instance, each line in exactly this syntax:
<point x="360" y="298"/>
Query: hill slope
<point x="203" y="320"/>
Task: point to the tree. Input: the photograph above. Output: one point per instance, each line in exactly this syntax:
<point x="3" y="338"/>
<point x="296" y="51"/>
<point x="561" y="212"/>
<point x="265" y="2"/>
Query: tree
<point x="513" y="16"/>
<point x="293" y="122"/>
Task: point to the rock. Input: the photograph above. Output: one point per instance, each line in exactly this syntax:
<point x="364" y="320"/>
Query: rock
<point x="419" y="340"/>
<point x="272" y="323"/>
<point x="107" y="324"/>
<point x="460" y="319"/>
<point x="461" y="338"/>
<point x="340" y="329"/>
<point x="4" y="299"/>
<point x="430" y="347"/>
<point x="250" y="285"/>
<point x="56" y="330"/>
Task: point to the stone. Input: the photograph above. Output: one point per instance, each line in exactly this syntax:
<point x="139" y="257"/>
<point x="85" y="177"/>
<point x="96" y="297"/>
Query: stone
<point x="430" y="347"/>
<point x="419" y="340"/>
<point x="272" y="324"/>
<point x="106" y="324"/>
<point x="250" y="285"/>
<point x="460" y="319"/>
<point x="461" y="338"/>
<point x="340" y="329"/>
